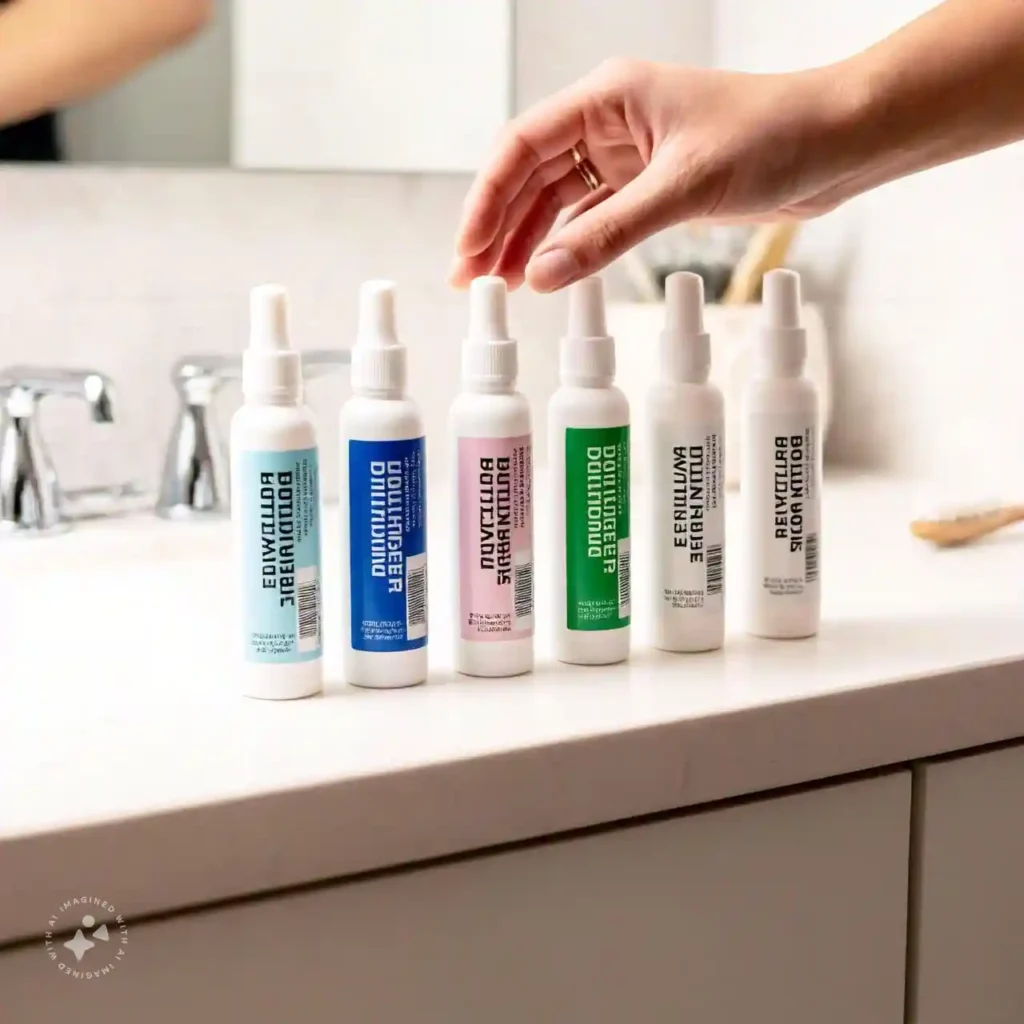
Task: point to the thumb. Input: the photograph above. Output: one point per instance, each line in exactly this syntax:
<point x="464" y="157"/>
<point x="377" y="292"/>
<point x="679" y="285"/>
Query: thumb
<point x="594" y="238"/>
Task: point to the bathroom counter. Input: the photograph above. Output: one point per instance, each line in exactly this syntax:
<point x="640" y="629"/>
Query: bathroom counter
<point x="129" y="768"/>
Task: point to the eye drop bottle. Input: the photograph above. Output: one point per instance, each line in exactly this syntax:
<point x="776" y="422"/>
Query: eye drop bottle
<point x="588" y="449"/>
<point x="275" y="512"/>
<point x="493" y="459"/>
<point x="686" y="423"/>
<point x="780" y="477"/>
<point x="383" y="508"/>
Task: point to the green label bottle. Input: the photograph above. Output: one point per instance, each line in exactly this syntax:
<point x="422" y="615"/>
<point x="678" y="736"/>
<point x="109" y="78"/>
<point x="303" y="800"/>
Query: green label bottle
<point x="597" y="562"/>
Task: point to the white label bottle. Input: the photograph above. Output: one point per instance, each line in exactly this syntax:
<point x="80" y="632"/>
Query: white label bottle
<point x="383" y="508"/>
<point x="780" y="474"/>
<point x="588" y="420"/>
<point x="686" y="420"/>
<point x="275" y="512"/>
<point x="493" y="459"/>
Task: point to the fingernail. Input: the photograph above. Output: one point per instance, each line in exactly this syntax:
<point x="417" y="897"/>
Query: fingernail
<point x="552" y="269"/>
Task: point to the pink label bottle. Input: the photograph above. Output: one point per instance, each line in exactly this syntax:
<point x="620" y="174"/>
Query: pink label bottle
<point x="493" y="468"/>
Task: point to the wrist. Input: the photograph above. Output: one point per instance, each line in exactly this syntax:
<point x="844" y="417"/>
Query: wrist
<point x="843" y="131"/>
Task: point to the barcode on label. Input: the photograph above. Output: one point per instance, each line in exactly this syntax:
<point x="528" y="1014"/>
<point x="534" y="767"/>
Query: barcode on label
<point x="624" y="579"/>
<point x="811" y="558"/>
<point x="713" y="561"/>
<point x="416" y="597"/>
<point x="308" y="584"/>
<point x="523" y="590"/>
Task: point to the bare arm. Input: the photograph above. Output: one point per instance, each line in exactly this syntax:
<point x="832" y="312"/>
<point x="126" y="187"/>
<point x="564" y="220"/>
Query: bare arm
<point x="946" y="86"/>
<point x="672" y="144"/>
<point x="53" y="52"/>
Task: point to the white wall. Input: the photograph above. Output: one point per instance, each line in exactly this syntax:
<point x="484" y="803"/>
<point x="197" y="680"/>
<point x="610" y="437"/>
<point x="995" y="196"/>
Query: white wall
<point x="923" y="275"/>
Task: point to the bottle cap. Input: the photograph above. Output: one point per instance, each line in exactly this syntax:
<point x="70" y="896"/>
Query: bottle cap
<point x="783" y="346"/>
<point x="270" y="369"/>
<point x="587" y="352"/>
<point x="378" y="358"/>
<point x="685" y="345"/>
<point x="489" y="355"/>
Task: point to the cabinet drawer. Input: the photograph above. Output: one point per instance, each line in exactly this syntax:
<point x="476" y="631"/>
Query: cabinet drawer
<point x="787" y="910"/>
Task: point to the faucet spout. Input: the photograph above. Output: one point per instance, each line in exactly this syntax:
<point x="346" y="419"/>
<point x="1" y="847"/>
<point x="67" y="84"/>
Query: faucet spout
<point x="30" y="496"/>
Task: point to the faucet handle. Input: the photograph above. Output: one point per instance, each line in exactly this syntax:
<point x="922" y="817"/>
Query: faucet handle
<point x="22" y="386"/>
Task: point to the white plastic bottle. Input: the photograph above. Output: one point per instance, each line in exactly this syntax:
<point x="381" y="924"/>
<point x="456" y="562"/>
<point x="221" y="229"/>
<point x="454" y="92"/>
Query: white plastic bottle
<point x="780" y="476"/>
<point x="383" y="508"/>
<point x="588" y="450"/>
<point x="275" y="511"/>
<point x="686" y="417"/>
<point x="493" y="459"/>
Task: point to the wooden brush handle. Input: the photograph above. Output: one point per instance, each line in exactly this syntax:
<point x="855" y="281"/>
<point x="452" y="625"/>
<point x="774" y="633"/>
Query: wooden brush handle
<point x="767" y="251"/>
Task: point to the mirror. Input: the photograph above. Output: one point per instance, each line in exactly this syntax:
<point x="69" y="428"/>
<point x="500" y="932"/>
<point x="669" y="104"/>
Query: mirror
<point x="353" y="85"/>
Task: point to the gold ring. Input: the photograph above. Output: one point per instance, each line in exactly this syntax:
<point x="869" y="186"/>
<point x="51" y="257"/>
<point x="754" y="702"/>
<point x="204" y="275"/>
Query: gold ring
<point x="588" y="172"/>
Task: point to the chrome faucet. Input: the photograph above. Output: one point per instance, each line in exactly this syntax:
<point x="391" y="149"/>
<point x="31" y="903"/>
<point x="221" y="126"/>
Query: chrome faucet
<point x="31" y="498"/>
<point x="195" y="480"/>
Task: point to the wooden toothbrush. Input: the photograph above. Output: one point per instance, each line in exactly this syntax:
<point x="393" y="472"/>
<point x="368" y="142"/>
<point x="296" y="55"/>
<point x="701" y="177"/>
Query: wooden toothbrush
<point x="957" y="528"/>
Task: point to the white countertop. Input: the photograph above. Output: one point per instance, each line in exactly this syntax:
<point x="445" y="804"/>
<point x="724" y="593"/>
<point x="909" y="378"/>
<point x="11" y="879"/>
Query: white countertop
<point x="130" y="769"/>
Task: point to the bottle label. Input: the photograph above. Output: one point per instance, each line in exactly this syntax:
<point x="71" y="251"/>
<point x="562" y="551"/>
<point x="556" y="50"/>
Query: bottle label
<point x="495" y="495"/>
<point x="279" y="499"/>
<point x="388" y="545"/>
<point x="688" y="484"/>
<point x="597" y="555"/>
<point x="785" y="510"/>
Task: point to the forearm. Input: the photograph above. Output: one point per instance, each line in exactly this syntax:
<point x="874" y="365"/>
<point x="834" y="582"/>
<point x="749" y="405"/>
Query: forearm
<point x="946" y="86"/>
<point x="54" y="52"/>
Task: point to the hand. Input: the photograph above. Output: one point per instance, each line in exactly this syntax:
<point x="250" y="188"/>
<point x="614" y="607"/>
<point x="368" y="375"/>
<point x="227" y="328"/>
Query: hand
<point x="669" y="144"/>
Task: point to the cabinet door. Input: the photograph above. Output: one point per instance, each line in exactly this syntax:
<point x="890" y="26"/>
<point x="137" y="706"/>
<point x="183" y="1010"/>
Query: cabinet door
<point x="789" y="910"/>
<point x="969" y="926"/>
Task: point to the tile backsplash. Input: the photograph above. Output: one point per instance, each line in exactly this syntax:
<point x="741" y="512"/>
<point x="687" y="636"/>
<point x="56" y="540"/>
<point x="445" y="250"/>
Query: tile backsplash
<point x="125" y="271"/>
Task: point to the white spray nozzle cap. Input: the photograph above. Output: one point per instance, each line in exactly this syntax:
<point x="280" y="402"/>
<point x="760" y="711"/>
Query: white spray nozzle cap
<point x="685" y="346"/>
<point x="780" y="293"/>
<point x="488" y="312"/>
<point x="586" y="309"/>
<point x="489" y="355"/>
<point x="783" y="348"/>
<point x="377" y="314"/>
<point x="587" y="356"/>
<point x="271" y="371"/>
<point x="378" y="358"/>
<point x="268" y="318"/>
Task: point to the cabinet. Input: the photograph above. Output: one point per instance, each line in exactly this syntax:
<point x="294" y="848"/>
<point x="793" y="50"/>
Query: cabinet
<point x="786" y="910"/>
<point x="969" y="928"/>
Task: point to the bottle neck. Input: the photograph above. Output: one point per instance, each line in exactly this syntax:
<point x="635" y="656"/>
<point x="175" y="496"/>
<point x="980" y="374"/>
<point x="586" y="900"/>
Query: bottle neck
<point x="488" y="386"/>
<point x="279" y="399"/>
<point x="379" y="394"/>
<point x="591" y="383"/>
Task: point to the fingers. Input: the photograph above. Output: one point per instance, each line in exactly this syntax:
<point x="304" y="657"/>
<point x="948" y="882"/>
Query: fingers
<point x="520" y="233"/>
<point x="601" y="233"/>
<point x="544" y="132"/>
<point x="532" y="230"/>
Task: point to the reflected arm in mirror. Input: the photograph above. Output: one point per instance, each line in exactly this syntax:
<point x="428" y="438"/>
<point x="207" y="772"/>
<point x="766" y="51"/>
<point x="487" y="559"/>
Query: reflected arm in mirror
<point x="55" y="52"/>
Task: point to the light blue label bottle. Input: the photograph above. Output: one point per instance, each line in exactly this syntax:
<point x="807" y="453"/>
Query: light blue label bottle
<point x="280" y="526"/>
<point x="388" y="545"/>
